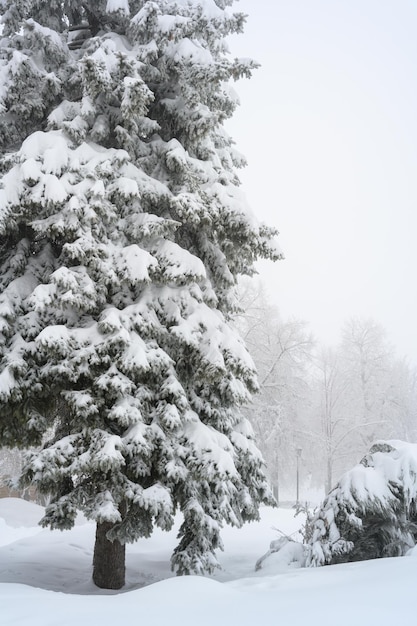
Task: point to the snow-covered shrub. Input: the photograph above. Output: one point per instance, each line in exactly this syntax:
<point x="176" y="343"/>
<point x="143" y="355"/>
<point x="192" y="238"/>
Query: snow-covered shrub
<point x="289" y="553"/>
<point x="307" y="527"/>
<point x="371" y="512"/>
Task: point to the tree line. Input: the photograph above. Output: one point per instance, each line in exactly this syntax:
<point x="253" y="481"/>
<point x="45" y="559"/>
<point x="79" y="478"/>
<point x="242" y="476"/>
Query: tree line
<point x="319" y="406"/>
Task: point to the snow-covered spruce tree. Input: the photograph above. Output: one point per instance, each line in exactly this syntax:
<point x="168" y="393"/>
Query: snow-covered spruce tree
<point x="122" y="233"/>
<point x="372" y="511"/>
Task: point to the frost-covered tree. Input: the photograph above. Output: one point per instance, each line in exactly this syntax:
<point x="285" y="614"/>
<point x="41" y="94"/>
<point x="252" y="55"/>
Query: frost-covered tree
<point x="363" y="392"/>
<point x="122" y="233"/>
<point x="282" y="351"/>
<point x="372" y="511"/>
<point x="368" y="360"/>
<point x="334" y="410"/>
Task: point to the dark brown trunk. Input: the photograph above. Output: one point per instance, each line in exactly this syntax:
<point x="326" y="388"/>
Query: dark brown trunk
<point x="109" y="559"/>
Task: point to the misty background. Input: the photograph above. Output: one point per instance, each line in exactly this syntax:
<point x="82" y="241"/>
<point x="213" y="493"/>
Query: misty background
<point x="328" y="126"/>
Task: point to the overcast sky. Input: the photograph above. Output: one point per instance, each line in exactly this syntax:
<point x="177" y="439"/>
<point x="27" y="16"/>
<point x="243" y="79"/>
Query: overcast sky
<point x="328" y="125"/>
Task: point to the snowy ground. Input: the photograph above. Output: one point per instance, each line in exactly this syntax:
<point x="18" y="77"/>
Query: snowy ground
<point x="45" y="580"/>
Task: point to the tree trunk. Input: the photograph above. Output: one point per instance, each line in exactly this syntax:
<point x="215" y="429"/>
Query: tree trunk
<point x="109" y="559"/>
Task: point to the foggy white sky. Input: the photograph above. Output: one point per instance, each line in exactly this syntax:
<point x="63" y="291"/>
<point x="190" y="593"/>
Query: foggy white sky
<point x="328" y="125"/>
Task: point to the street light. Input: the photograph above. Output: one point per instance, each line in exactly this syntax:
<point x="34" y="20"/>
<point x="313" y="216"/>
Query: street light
<point x="298" y="452"/>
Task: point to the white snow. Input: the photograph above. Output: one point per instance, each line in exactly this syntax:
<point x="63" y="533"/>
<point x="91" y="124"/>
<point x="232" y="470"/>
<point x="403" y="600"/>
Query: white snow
<point x="55" y="160"/>
<point x="45" y="580"/>
<point x="117" y="5"/>
<point x="53" y="335"/>
<point x="125" y="186"/>
<point x="134" y="263"/>
<point x="167" y="23"/>
<point x="178" y="261"/>
<point x="187" y="51"/>
<point x="31" y="170"/>
<point x="213" y="449"/>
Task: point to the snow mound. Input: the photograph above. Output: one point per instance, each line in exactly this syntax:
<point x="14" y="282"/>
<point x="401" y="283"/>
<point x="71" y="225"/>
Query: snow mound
<point x="19" y="513"/>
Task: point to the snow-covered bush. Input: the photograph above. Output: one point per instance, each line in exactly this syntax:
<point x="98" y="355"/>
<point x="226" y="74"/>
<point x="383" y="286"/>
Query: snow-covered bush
<point x="372" y="511"/>
<point x="288" y="553"/>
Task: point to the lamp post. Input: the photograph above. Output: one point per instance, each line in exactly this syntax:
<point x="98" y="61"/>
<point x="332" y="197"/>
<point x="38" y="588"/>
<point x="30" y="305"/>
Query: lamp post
<point x="298" y="453"/>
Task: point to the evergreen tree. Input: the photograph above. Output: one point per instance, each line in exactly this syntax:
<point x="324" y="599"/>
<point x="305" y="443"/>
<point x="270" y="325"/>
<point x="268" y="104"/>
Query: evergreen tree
<point x="122" y="233"/>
